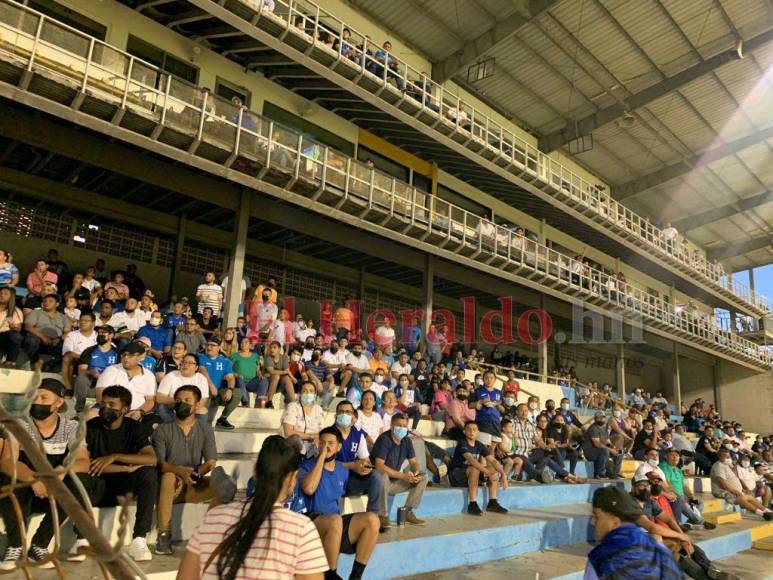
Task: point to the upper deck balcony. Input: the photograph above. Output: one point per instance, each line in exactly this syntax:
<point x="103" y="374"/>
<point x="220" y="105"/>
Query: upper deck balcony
<point x="404" y="106"/>
<point x="58" y="70"/>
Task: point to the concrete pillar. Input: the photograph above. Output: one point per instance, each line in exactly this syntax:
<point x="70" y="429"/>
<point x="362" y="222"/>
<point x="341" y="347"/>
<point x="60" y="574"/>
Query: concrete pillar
<point x="174" y="274"/>
<point x="751" y="279"/>
<point x="717" y="383"/>
<point x="542" y="348"/>
<point x="427" y="284"/>
<point x="621" y="371"/>
<point x="733" y="327"/>
<point x="236" y="268"/>
<point x="677" y="384"/>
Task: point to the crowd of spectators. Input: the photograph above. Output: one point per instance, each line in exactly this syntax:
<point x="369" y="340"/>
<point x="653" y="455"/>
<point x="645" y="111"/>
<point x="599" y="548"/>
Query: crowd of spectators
<point x="159" y="376"/>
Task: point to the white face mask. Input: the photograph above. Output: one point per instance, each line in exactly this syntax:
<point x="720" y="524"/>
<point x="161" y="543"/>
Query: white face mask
<point x="727" y="461"/>
<point x="745" y="463"/>
<point x="478" y="382"/>
<point x="565" y="406"/>
<point x="379" y="379"/>
<point x="652" y="462"/>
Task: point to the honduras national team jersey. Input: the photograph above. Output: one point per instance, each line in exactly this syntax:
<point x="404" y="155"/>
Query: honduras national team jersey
<point x="218" y="368"/>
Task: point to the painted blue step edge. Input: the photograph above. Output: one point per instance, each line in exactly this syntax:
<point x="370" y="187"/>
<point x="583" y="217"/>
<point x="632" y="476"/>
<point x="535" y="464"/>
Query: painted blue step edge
<point x="715" y="548"/>
<point x="451" y="501"/>
<point x="426" y="554"/>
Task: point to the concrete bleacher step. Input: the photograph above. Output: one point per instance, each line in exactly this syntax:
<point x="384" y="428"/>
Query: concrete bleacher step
<point x="730" y="545"/>
<point x="765" y="544"/>
<point x="721" y="517"/>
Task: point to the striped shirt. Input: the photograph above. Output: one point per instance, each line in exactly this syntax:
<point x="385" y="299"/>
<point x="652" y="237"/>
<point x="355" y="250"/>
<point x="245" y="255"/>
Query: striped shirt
<point x="294" y="546"/>
<point x="209" y="296"/>
<point x="523" y="437"/>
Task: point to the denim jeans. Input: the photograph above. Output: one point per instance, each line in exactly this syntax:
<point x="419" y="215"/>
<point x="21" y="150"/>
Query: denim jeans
<point x="254" y="385"/>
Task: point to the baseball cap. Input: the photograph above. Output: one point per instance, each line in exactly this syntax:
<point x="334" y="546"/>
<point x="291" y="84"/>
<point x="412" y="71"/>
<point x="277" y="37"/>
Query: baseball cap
<point x="213" y="340"/>
<point x="144" y="340"/>
<point x="55" y="386"/>
<point x="618" y="502"/>
<point x="649" y="476"/>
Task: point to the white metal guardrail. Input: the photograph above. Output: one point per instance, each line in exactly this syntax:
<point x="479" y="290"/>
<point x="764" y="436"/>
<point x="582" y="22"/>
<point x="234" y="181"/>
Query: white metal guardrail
<point x="43" y="55"/>
<point x="352" y="53"/>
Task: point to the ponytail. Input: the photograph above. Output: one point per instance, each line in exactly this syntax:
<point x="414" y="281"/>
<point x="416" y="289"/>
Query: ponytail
<point x="276" y="460"/>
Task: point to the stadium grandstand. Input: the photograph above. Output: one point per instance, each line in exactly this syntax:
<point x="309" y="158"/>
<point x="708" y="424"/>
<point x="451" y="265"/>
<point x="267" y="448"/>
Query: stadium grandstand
<point x="432" y="289"/>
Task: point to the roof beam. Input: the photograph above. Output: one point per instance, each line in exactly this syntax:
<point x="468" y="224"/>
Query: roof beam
<point x="636" y="186"/>
<point x="587" y="125"/>
<point x="48" y="135"/>
<point x="474" y="49"/>
<point x="714" y="215"/>
<point x="740" y="248"/>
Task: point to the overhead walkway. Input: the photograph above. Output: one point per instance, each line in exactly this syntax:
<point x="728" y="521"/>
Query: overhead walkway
<point x="60" y="71"/>
<point x="405" y="106"/>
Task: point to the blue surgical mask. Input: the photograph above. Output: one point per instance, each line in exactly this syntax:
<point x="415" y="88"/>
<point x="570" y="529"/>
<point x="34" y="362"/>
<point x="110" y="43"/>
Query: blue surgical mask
<point x="343" y="420"/>
<point x="308" y="399"/>
<point x="400" y="432"/>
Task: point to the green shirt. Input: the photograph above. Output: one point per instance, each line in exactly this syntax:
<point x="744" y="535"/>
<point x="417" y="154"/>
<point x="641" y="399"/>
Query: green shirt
<point x="675" y="477"/>
<point x="245" y="366"/>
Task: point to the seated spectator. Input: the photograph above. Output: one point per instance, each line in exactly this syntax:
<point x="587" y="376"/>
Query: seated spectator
<point x="487" y="402"/>
<point x="408" y="400"/>
<point x="75" y="342"/>
<point x="651" y="464"/>
<point x="91" y="284"/>
<point x="564" y="447"/>
<point x="458" y="413"/>
<point x="160" y="337"/>
<point x="336" y="362"/>
<point x="9" y="274"/>
<point x="726" y="485"/>
<point x="11" y="319"/>
<point x="682" y="443"/>
<point x="440" y="400"/>
<point x="368" y="419"/>
<point x="706" y="450"/>
<point x="353" y="455"/>
<point x="186" y="453"/>
<point x="147" y="361"/>
<point x="176" y="320"/>
<point x="598" y="449"/>
<point x="276" y="367"/>
<point x="323" y="480"/>
<point x="188" y="374"/>
<point x="659" y="400"/>
<point x="134" y="318"/>
<point x="92" y="362"/>
<point x="645" y="440"/>
<point x="619" y="431"/>
<point x="71" y="310"/>
<point x="473" y="463"/>
<point x="117" y="320"/>
<point x="207" y="322"/>
<point x="750" y="480"/>
<point x="571" y="420"/>
<point x="686" y="504"/>
<point x="623" y="548"/>
<point x="57" y="437"/>
<point x="140" y="383"/>
<point x="229" y="344"/>
<point x="117" y="283"/>
<point x="659" y="522"/>
<point x="122" y="457"/>
<point x="506" y="451"/>
<point x="39" y="283"/>
<point x="192" y="337"/>
<point x="246" y="364"/>
<point x="391" y="450"/>
<point x="258" y="534"/>
<point x="171" y="361"/>
<point x="304" y="419"/>
<point x="45" y="330"/>
<point x="218" y="371"/>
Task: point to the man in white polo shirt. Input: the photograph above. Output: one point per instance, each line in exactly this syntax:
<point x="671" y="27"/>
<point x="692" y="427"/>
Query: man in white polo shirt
<point x="186" y="375"/>
<point x="75" y="343"/>
<point x="401" y="366"/>
<point x="140" y="382"/>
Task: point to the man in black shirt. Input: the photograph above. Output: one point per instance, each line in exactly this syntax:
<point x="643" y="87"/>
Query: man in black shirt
<point x="645" y="440"/>
<point x="122" y="456"/>
<point x="706" y="450"/>
<point x="57" y="437"/>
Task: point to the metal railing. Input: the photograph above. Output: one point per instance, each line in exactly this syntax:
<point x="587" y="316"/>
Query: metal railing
<point x="192" y="118"/>
<point x="447" y="112"/>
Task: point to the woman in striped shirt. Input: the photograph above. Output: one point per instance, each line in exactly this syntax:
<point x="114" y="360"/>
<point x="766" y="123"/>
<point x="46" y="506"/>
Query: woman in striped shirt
<point x="258" y="538"/>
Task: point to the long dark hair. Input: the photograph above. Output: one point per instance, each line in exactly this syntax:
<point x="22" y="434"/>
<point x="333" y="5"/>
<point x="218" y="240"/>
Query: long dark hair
<point x="277" y="459"/>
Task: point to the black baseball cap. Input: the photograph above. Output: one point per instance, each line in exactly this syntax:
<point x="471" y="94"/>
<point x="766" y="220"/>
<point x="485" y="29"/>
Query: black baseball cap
<point x="54" y="385"/>
<point x="618" y="502"/>
<point x="134" y="348"/>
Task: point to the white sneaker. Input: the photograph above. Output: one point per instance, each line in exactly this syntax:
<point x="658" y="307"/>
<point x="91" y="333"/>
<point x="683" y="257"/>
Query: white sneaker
<point x="77" y="551"/>
<point x="139" y="550"/>
<point x="10" y="559"/>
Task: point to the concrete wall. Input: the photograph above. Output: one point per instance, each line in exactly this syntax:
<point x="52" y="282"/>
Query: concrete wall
<point x="747" y="397"/>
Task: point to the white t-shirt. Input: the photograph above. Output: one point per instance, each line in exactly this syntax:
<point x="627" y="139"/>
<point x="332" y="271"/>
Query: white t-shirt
<point x="305" y="333"/>
<point x="670" y="233"/>
<point x="371" y="425"/>
<point x="174" y="380"/>
<point x="293" y="548"/>
<point x="358" y="363"/>
<point x="339" y="358"/>
<point x="76" y="343"/>
<point x="401" y="369"/>
<point x="141" y="386"/>
<point x="91" y="285"/>
<point x="644" y="468"/>
<point x="135" y="320"/>
<point x="117" y="321"/>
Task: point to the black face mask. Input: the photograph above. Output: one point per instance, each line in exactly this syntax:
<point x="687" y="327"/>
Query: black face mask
<point x="461" y="397"/>
<point x="656" y="488"/>
<point x="331" y="458"/>
<point x="315" y="357"/>
<point x="108" y="415"/>
<point x="183" y="410"/>
<point x="643" y="495"/>
<point x="40" y="412"/>
<point x="101" y="339"/>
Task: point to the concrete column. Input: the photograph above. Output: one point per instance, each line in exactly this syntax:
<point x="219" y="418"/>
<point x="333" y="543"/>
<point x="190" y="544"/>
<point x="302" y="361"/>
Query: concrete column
<point x="236" y="268"/>
<point x="427" y="284"/>
<point x="717" y="383"/>
<point x="174" y="274"/>
<point x="621" y="371"/>
<point x="751" y="279"/>
<point x="677" y="384"/>
<point x="733" y="327"/>
<point x="542" y="348"/>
